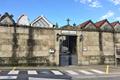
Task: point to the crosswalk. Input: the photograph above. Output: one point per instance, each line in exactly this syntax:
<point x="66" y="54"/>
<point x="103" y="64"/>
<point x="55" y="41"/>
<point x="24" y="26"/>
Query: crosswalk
<point x="56" y="72"/>
<point x="72" y="72"/>
<point x="85" y="72"/>
<point x="8" y="77"/>
<point x="31" y="78"/>
<point x="98" y="71"/>
<point x="13" y="74"/>
<point x="32" y="72"/>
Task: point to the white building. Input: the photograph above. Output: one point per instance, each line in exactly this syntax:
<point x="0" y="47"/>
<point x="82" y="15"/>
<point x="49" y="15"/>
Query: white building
<point x="41" y="21"/>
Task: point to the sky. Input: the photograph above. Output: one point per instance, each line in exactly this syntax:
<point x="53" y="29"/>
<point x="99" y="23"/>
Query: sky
<point x="57" y="11"/>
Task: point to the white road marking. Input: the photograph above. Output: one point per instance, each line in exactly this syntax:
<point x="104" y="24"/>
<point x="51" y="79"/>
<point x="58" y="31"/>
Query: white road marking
<point x="13" y="72"/>
<point x="8" y="77"/>
<point x="97" y="71"/>
<point x="32" y="78"/>
<point x="56" y="72"/>
<point x="85" y="72"/>
<point x="32" y="72"/>
<point x="72" y="72"/>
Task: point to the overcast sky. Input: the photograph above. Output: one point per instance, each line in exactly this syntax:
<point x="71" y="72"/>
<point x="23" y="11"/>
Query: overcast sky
<point x="59" y="10"/>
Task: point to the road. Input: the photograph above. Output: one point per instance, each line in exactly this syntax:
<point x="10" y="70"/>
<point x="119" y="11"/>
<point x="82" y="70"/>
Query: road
<point x="41" y="74"/>
<point x="59" y="74"/>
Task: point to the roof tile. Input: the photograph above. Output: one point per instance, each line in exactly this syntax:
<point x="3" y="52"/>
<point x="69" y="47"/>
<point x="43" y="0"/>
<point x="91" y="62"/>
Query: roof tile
<point x="82" y="25"/>
<point x="100" y="23"/>
<point x="114" y="23"/>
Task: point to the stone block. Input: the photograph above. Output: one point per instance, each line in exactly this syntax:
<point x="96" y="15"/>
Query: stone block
<point x="85" y="63"/>
<point x="94" y="61"/>
<point x="6" y="54"/>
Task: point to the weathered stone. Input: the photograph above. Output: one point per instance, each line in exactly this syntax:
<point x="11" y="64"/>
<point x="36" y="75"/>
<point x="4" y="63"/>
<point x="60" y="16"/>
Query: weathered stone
<point x="38" y="42"/>
<point x="85" y="63"/>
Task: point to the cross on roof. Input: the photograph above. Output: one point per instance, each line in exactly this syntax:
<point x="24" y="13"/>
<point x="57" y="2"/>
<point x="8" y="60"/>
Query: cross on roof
<point x="68" y="21"/>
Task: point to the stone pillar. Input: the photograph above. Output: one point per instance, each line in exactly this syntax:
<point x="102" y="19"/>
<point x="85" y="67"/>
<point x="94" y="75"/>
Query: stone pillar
<point x="79" y="48"/>
<point x="57" y="42"/>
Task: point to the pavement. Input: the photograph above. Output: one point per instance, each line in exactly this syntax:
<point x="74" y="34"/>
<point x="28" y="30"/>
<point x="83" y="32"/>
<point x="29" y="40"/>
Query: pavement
<point x="40" y="74"/>
<point x="60" y="73"/>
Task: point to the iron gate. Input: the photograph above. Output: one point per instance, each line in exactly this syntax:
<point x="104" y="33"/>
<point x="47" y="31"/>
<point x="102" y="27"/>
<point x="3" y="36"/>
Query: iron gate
<point x="68" y="54"/>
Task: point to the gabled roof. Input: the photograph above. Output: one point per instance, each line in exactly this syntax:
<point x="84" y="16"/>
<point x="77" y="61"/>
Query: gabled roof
<point x="42" y="17"/>
<point x="82" y="25"/>
<point x="114" y="23"/>
<point x="23" y="20"/>
<point x="100" y="23"/>
<point x="7" y="15"/>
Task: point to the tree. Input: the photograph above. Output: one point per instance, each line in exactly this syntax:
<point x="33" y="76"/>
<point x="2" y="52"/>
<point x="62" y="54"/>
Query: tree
<point x="56" y="25"/>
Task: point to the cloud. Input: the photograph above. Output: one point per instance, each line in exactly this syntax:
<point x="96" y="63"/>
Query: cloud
<point x="116" y="2"/>
<point x="91" y="3"/>
<point x="117" y="18"/>
<point x="95" y="4"/>
<point x="109" y="14"/>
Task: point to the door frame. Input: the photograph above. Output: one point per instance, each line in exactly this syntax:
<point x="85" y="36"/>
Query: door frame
<point x="71" y="55"/>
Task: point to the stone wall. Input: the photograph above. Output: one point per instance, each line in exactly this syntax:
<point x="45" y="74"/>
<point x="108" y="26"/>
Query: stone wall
<point x="108" y="47"/>
<point x="89" y="48"/>
<point x="97" y="48"/>
<point x="19" y="45"/>
<point x="117" y="37"/>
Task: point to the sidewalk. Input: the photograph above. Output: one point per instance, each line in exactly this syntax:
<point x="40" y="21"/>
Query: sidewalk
<point x="113" y="70"/>
<point x="62" y="67"/>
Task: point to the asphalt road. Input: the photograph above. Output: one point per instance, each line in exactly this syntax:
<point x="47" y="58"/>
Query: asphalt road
<point x="42" y="74"/>
<point x="66" y="73"/>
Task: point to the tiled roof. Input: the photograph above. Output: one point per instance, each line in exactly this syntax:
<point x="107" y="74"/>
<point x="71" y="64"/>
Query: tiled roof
<point x="100" y="23"/>
<point x="82" y="25"/>
<point x="114" y="23"/>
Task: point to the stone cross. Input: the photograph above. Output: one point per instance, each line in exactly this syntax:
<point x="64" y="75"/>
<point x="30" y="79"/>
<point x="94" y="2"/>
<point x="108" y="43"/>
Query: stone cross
<point x="68" y="21"/>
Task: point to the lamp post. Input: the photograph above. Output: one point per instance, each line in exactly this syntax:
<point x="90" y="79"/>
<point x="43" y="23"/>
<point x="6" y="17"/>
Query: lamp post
<point x="81" y="37"/>
<point x="58" y="36"/>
